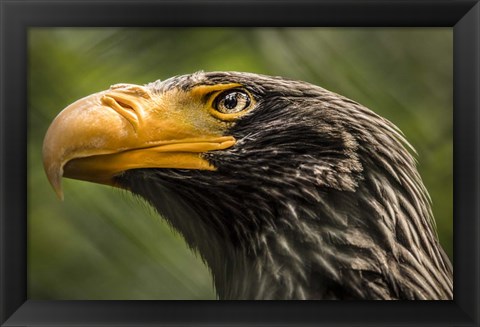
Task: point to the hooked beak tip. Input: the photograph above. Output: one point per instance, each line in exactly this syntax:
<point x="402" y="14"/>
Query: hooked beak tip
<point x="54" y="176"/>
<point x="59" y="192"/>
<point x="57" y="186"/>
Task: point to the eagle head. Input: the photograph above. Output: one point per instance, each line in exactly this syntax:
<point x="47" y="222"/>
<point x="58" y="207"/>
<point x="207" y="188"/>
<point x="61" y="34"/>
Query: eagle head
<point x="285" y="189"/>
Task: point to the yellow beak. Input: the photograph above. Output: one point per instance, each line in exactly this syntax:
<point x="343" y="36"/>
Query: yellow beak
<point x="127" y="127"/>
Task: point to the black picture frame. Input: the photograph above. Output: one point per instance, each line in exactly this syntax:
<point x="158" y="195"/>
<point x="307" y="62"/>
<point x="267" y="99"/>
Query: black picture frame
<point x="18" y="15"/>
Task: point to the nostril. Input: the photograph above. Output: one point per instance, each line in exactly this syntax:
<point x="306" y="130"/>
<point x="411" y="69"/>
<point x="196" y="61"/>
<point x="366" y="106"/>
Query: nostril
<point x="116" y="102"/>
<point x="124" y="105"/>
<point x="123" y="108"/>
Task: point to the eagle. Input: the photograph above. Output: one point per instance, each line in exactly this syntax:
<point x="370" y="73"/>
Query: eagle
<point x="285" y="189"/>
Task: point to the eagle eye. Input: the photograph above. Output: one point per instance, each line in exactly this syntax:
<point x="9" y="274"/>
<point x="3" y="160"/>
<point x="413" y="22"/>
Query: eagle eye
<point x="232" y="101"/>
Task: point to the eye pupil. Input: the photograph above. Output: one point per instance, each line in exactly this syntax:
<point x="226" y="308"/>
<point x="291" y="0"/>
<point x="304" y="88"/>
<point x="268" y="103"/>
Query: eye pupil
<point x="230" y="101"/>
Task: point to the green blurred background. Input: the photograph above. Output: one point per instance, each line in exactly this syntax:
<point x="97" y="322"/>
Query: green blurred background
<point x="101" y="243"/>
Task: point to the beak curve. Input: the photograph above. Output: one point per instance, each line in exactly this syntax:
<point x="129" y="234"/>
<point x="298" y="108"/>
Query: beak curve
<point x="126" y="127"/>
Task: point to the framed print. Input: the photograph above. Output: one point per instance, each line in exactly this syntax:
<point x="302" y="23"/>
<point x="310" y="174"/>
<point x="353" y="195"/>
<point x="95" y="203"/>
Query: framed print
<point x="325" y="152"/>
